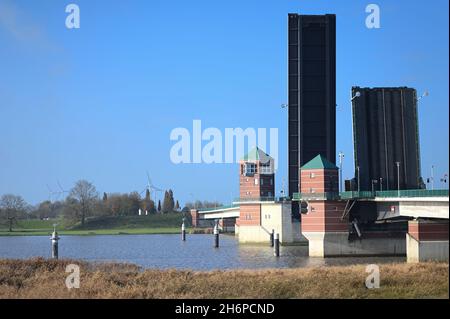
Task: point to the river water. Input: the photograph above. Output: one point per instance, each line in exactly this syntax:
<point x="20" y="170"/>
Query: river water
<point x="168" y="251"/>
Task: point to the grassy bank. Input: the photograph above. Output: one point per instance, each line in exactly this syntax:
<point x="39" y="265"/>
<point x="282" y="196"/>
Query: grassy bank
<point x="39" y="278"/>
<point x="120" y="225"/>
<point x="124" y="231"/>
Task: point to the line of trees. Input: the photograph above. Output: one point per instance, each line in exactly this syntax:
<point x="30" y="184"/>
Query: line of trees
<point x="83" y="201"/>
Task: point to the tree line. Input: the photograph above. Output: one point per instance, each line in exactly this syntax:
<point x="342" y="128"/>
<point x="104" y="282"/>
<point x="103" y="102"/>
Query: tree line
<point x="84" y="201"/>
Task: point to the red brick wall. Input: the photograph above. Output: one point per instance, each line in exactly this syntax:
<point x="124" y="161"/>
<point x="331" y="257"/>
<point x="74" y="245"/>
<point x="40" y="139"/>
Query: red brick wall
<point x="250" y="215"/>
<point x="320" y="180"/>
<point x="248" y="188"/>
<point x="324" y="216"/>
<point x="428" y="230"/>
<point x="194" y="215"/>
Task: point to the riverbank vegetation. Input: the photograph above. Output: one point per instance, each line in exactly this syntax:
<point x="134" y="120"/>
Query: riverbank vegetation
<point x="83" y="211"/>
<point x="102" y="225"/>
<point x="40" y="278"/>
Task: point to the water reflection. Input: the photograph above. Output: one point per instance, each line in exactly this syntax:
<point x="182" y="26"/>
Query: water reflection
<point x="168" y="251"/>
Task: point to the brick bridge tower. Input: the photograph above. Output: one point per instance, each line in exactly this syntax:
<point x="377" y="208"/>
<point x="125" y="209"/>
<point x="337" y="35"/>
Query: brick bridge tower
<point x="322" y="225"/>
<point x="256" y="185"/>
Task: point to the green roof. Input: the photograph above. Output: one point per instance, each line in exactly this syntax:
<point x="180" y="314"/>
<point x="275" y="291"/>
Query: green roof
<point x="256" y="154"/>
<point x="319" y="162"/>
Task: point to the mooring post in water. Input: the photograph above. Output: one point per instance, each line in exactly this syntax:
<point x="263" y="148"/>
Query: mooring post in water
<point x="276" y="249"/>
<point x="183" y="232"/>
<point x="54" y="240"/>
<point x="216" y="236"/>
<point x="272" y="234"/>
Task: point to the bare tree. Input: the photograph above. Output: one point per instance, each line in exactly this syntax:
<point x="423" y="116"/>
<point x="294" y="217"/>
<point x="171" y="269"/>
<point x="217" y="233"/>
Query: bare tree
<point x="82" y="198"/>
<point x="11" y="206"/>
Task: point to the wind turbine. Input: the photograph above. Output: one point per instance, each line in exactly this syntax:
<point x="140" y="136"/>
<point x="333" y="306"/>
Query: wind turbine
<point x="151" y="188"/>
<point x="57" y="194"/>
<point x="62" y="190"/>
<point x="50" y="193"/>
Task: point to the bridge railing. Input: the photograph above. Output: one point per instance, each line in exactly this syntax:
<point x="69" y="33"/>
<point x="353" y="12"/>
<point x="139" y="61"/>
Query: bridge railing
<point x="218" y="208"/>
<point x="414" y="193"/>
<point x="337" y="196"/>
<point x="316" y="196"/>
<point x="370" y="195"/>
<point x="356" y="195"/>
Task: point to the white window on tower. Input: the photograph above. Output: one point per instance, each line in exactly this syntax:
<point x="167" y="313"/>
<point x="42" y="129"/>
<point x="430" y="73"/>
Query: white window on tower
<point x="256" y="181"/>
<point x="250" y="169"/>
<point x="312" y="175"/>
<point x="311" y="190"/>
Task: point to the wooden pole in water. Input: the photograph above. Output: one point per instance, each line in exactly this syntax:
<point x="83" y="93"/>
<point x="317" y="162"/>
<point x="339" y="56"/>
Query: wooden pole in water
<point x="276" y="250"/>
<point x="183" y="232"/>
<point x="272" y="235"/>
<point x="216" y="236"/>
<point x="54" y="240"/>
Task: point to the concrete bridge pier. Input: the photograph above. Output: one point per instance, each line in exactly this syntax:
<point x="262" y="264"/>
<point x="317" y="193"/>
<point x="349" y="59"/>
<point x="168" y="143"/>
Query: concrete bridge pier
<point x="327" y="234"/>
<point x="326" y="221"/>
<point x="427" y="240"/>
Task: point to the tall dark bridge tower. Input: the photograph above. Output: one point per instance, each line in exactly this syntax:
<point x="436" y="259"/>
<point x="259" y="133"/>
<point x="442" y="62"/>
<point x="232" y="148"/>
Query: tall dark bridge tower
<point x="312" y="92"/>
<point x="386" y="134"/>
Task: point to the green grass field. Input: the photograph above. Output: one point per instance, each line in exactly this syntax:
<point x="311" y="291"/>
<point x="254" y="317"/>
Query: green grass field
<point x="121" y="225"/>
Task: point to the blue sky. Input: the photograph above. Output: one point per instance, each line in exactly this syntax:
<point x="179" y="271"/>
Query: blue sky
<point x="99" y="102"/>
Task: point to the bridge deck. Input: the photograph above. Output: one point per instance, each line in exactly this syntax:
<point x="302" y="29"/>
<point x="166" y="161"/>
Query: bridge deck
<point x="412" y="203"/>
<point x="230" y="211"/>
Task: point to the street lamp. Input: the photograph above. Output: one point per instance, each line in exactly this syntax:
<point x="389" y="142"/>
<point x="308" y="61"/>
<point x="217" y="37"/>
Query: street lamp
<point x="444" y="179"/>
<point x="374" y="181"/>
<point x="398" y="178"/>
<point x="286" y="107"/>
<point x="341" y="159"/>
<point x="357" y="94"/>
<point x="193" y="200"/>
<point x="423" y="95"/>
<point x="381" y="184"/>
<point x="432" y="177"/>
<point x="359" y="188"/>
<point x="283" y="193"/>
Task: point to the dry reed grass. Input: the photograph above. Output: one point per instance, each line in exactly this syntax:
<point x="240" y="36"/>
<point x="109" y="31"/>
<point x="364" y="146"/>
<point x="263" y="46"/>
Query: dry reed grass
<point x="41" y="278"/>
